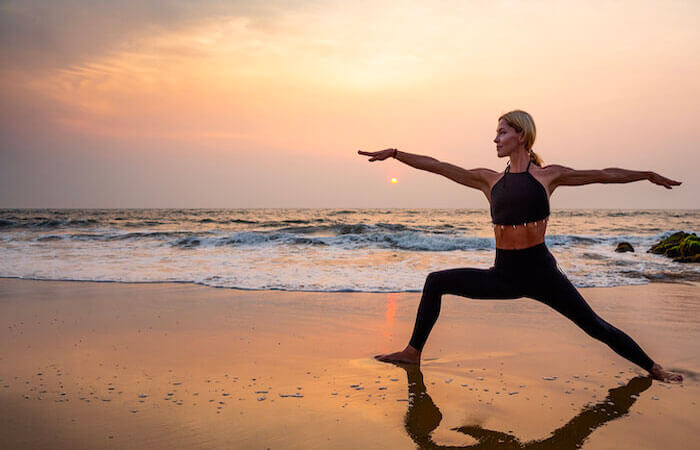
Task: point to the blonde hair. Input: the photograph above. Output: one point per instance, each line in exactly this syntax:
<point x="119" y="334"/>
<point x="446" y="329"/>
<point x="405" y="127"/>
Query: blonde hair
<point x="522" y="123"/>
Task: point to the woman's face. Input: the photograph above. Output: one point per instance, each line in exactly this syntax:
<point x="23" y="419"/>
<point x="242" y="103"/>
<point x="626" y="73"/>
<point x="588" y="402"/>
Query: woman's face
<point x="507" y="139"/>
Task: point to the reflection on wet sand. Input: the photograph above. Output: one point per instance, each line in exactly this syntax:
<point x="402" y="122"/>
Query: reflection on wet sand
<point x="423" y="417"/>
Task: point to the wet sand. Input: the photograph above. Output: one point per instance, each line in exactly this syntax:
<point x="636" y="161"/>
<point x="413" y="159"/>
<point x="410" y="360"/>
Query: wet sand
<point x="106" y="365"/>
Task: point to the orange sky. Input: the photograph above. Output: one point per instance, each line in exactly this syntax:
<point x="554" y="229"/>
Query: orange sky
<point x="265" y="105"/>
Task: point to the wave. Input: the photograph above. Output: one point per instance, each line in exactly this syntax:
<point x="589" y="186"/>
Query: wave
<point x="226" y="221"/>
<point x="347" y="236"/>
<point x="566" y="240"/>
<point x="46" y="223"/>
<point x="211" y="282"/>
<point x="405" y="240"/>
<point x="160" y="235"/>
<point x="356" y="284"/>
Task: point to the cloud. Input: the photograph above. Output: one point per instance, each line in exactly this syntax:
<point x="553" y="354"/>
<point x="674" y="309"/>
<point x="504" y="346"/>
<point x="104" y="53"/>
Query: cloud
<point x="40" y="35"/>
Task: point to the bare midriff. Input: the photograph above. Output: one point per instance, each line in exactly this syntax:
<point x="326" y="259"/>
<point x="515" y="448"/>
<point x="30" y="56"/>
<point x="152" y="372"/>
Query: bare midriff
<point x="513" y="237"/>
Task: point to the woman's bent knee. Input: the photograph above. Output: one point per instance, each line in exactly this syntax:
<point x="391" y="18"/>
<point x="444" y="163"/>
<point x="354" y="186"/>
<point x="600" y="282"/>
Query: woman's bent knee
<point x="433" y="279"/>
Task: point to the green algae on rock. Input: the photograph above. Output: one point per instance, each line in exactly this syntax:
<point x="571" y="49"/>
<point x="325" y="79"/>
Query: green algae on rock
<point x="681" y="246"/>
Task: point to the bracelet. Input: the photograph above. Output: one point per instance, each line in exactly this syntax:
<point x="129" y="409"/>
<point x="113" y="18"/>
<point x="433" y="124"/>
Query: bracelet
<point x="395" y="152"/>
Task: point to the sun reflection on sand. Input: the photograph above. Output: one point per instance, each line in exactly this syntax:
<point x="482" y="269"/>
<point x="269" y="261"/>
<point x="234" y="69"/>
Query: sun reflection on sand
<point x="389" y="314"/>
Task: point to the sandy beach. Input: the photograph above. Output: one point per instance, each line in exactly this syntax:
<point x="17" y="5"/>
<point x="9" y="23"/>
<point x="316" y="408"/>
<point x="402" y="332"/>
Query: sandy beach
<point x="109" y="365"/>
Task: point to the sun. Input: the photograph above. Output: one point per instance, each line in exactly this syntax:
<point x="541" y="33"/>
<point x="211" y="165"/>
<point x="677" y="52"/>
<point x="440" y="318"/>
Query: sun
<point x="394" y="181"/>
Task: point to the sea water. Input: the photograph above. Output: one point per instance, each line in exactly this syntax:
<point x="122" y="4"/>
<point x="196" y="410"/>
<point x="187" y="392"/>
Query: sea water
<point x="364" y="250"/>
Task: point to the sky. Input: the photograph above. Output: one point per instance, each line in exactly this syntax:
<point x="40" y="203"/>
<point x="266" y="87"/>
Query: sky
<point x="232" y="104"/>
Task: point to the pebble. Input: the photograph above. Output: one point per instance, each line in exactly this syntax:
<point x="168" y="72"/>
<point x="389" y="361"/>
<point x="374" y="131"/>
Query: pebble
<point x="549" y="378"/>
<point x="261" y="398"/>
<point x="448" y="381"/>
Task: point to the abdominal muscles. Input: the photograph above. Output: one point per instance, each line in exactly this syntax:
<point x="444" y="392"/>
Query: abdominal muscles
<point x="520" y="236"/>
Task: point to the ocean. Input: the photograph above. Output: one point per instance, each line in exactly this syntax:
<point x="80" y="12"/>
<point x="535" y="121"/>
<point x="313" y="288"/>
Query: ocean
<point x="327" y="250"/>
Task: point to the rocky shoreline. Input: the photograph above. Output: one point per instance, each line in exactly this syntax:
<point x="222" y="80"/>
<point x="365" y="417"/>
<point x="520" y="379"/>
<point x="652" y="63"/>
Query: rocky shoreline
<point x="681" y="246"/>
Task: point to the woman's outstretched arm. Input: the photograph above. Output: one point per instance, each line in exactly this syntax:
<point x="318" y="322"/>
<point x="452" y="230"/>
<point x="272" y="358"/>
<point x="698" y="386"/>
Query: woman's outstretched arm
<point x="474" y="178"/>
<point x="565" y="176"/>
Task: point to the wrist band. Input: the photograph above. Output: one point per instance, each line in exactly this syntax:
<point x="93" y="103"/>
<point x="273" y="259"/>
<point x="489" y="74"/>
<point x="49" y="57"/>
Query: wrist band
<point x="395" y="152"/>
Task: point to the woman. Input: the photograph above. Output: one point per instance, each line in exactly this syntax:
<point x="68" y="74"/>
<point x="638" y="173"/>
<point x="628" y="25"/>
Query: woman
<point x="524" y="267"/>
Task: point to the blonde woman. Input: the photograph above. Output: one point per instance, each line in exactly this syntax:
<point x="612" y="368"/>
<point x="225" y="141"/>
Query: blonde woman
<point x="524" y="267"/>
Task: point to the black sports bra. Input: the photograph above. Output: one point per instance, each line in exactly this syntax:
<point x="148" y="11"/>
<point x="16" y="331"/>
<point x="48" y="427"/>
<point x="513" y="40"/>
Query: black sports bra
<point x="518" y="198"/>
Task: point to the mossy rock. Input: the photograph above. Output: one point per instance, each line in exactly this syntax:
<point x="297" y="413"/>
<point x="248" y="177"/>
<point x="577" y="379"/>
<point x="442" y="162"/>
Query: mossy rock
<point x="690" y="246"/>
<point x="671" y="241"/>
<point x="688" y="259"/>
<point x="624" y="247"/>
<point x="683" y="247"/>
<point x="672" y="252"/>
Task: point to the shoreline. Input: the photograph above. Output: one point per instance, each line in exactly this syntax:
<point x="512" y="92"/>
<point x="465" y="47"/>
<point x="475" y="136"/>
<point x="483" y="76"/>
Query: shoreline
<point x="177" y="365"/>
<point x="686" y="282"/>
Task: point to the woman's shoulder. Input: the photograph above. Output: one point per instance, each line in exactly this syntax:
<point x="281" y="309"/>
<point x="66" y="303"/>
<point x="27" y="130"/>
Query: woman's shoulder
<point x="550" y="171"/>
<point x="553" y="168"/>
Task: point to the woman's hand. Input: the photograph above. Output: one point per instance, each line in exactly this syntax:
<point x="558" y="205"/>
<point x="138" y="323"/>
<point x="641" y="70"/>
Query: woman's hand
<point x="380" y="155"/>
<point x="662" y="181"/>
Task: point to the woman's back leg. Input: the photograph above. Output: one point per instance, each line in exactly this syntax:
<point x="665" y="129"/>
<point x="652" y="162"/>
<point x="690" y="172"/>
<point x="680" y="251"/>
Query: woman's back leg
<point x="559" y="293"/>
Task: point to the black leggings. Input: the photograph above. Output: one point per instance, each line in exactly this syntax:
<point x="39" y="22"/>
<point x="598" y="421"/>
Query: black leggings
<point x="530" y="272"/>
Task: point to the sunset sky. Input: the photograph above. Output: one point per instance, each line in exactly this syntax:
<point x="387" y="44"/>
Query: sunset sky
<point x="265" y="104"/>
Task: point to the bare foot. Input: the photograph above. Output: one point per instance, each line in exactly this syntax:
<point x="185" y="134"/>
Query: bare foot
<point x="658" y="373"/>
<point x="409" y="355"/>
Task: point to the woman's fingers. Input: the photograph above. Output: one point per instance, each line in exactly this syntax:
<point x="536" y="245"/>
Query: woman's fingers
<point x="663" y="181"/>
<point x="668" y="183"/>
<point x="375" y="156"/>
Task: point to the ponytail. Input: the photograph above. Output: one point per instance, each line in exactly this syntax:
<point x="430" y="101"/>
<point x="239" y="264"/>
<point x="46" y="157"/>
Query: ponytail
<point x="535" y="158"/>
